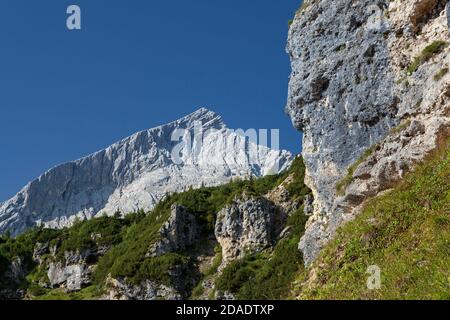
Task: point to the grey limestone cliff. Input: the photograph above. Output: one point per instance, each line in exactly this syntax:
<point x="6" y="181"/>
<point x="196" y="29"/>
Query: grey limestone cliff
<point x="364" y="91"/>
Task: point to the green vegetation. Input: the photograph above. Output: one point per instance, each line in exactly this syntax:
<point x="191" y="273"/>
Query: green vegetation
<point x="128" y="259"/>
<point x="405" y="232"/>
<point x="429" y="52"/>
<point x="89" y="293"/>
<point x="267" y="275"/>
<point x="158" y="268"/>
<point x="210" y="273"/>
<point x="438" y="76"/>
<point x="216" y="262"/>
<point x="297" y="189"/>
<point x="99" y="232"/>
<point x="21" y="248"/>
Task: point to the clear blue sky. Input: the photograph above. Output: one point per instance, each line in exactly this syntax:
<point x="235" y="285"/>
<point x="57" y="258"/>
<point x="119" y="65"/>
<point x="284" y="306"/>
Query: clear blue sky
<point x="134" y="65"/>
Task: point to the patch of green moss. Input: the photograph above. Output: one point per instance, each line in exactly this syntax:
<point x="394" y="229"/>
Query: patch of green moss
<point x="216" y="262"/>
<point x="401" y="127"/>
<point x="438" y="76"/>
<point x="430" y="51"/>
<point x="340" y="48"/>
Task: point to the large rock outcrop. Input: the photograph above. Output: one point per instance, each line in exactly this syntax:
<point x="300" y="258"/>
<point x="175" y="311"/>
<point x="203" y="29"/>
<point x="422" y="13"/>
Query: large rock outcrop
<point x="247" y="226"/>
<point x="370" y="90"/>
<point x="178" y="233"/>
<point x="74" y="272"/>
<point x="139" y="171"/>
<point x="119" y="289"/>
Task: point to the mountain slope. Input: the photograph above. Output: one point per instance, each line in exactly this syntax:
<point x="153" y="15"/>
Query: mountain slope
<point x="137" y="172"/>
<point x="405" y="233"/>
<point x="178" y="250"/>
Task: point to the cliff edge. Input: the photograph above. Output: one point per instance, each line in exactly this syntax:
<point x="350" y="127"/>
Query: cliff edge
<point x="370" y="90"/>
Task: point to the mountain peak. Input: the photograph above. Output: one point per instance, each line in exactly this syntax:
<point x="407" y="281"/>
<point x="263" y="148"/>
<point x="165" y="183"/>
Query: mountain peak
<point x="138" y="171"/>
<point x="208" y="118"/>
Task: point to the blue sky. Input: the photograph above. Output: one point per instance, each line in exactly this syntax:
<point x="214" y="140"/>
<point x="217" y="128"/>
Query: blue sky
<point x="134" y="65"/>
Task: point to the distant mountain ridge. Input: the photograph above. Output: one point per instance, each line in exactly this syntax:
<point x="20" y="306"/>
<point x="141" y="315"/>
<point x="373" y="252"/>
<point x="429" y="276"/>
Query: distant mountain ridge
<point x="137" y="172"/>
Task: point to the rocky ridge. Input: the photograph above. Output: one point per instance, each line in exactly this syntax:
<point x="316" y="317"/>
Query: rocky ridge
<point x="139" y="171"/>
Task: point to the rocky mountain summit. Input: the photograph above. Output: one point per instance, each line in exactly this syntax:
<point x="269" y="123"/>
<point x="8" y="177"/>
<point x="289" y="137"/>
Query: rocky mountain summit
<point x="139" y="171"/>
<point x="370" y="90"/>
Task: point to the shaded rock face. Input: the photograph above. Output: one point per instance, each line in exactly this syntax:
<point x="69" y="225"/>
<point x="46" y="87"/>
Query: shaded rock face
<point x="138" y="172"/>
<point x="247" y="226"/>
<point x="11" y="279"/>
<point x="16" y="271"/>
<point x="348" y="91"/>
<point x="178" y="233"/>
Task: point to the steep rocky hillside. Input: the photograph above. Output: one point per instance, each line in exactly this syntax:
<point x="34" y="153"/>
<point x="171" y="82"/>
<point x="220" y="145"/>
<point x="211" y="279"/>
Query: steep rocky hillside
<point x="404" y="234"/>
<point x="370" y="89"/>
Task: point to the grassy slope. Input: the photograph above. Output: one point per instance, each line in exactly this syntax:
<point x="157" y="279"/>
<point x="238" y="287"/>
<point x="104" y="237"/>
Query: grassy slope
<point x="405" y="232"/>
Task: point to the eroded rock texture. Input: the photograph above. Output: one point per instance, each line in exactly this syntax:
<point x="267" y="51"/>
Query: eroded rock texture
<point x="119" y="289"/>
<point x="357" y="99"/>
<point x="178" y="233"/>
<point x="246" y="226"/>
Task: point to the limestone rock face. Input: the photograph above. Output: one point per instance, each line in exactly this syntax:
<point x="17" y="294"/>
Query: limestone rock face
<point x="139" y="171"/>
<point x="247" y="226"/>
<point x="74" y="273"/>
<point x="118" y="289"/>
<point x="178" y="233"/>
<point x="352" y="89"/>
<point x="73" y="277"/>
<point x="16" y="271"/>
